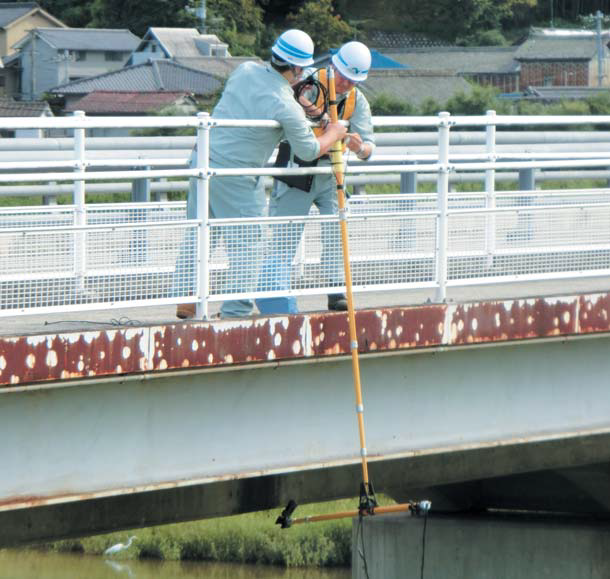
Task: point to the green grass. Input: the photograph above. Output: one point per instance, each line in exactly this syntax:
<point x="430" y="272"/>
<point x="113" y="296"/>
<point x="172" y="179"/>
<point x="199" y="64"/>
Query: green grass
<point x="249" y="538"/>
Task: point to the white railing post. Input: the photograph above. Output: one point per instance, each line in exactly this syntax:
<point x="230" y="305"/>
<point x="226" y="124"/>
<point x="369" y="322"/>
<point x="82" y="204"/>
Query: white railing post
<point x="490" y="188"/>
<point x="203" y="214"/>
<point x="442" y="206"/>
<point x="80" y="215"/>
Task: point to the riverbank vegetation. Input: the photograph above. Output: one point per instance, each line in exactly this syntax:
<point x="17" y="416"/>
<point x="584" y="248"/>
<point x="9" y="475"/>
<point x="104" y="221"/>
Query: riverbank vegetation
<point x="481" y="99"/>
<point x="250" y="538"/>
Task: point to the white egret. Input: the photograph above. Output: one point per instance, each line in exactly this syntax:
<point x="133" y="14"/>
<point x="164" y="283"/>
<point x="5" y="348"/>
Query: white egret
<point x="114" y="549"/>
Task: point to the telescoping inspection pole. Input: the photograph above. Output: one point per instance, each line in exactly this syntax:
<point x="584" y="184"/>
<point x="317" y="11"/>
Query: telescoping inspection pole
<point x="367" y="494"/>
<point x="368" y="503"/>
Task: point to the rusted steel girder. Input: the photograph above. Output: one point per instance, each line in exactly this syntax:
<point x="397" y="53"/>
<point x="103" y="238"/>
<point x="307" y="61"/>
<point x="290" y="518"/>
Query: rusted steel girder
<point x="225" y="343"/>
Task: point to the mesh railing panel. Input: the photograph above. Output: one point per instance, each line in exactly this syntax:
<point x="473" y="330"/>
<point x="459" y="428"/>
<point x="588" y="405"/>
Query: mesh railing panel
<point x="529" y="243"/>
<point x="291" y="255"/>
<point x="398" y="202"/>
<point x="132" y="213"/>
<point x="22" y="217"/>
<point x="105" y="266"/>
<point x="124" y="259"/>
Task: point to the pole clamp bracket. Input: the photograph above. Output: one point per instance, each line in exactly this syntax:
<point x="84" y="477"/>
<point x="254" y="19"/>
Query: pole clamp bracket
<point x="368" y="501"/>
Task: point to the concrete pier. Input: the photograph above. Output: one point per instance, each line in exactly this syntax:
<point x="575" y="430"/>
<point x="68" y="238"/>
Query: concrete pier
<point x="498" y="546"/>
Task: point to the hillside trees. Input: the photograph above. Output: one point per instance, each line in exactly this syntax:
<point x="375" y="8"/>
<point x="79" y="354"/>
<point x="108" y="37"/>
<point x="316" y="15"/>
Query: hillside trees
<point x="457" y="20"/>
<point x="239" y="23"/>
<point x="138" y="16"/>
<point x="75" y="13"/>
<point x="250" y="25"/>
<point x="325" y="27"/>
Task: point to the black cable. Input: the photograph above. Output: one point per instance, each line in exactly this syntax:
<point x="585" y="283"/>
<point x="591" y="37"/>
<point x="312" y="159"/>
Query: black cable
<point x="361" y="552"/>
<point x="308" y="84"/>
<point x="423" y="546"/>
<point x="122" y="321"/>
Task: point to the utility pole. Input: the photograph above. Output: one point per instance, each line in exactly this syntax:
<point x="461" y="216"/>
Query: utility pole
<point x="200" y="12"/>
<point x="600" y="48"/>
<point x="33" y="63"/>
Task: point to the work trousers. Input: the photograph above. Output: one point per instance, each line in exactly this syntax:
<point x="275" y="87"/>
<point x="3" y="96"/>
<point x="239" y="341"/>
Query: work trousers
<point x="276" y="272"/>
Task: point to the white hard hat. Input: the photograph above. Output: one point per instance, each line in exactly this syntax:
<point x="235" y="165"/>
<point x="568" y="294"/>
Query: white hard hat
<point x="294" y="46"/>
<point x="353" y="61"/>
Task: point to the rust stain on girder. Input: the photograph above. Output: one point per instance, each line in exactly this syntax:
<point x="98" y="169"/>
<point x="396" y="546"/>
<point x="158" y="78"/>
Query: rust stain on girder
<point x="513" y="320"/>
<point x="27" y="359"/>
<point x="594" y="312"/>
<point x="227" y="343"/>
<point x="379" y="329"/>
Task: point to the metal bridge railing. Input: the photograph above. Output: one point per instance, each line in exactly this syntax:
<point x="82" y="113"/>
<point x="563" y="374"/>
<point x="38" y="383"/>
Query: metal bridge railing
<point x="84" y="256"/>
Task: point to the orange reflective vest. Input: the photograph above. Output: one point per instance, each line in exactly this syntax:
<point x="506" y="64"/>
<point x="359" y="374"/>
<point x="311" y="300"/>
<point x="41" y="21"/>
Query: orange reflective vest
<point x="345" y="109"/>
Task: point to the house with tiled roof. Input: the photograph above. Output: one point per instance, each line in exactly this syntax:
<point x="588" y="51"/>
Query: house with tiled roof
<point x="487" y="65"/>
<point x="549" y="94"/>
<point x="49" y="57"/>
<point x="187" y="46"/>
<point x="12" y="108"/>
<point x="414" y="86"/>
<point x="177" y="43"/>
<point x="398" y="41"/>
<point x="148" y="77"/>
<point x="560" y="57"/>
<point x="16" y="20"/>
<point x="116" y="103"/>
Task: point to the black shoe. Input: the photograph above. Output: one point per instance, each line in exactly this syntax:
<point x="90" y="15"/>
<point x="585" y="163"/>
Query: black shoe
<point x="337" y="302"/>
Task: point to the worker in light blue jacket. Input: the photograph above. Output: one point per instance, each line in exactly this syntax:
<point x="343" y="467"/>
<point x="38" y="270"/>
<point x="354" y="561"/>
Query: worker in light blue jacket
<point x="295" y="195"/>
<point x="256" y="91"/>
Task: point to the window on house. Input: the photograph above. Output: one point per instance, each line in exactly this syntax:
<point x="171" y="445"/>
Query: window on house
<point x="2" y="81"/>
<point x="78" y="55"/>
<point x="113" y="56"/>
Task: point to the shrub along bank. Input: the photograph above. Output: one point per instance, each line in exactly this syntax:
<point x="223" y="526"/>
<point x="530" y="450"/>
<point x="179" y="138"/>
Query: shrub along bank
<point x="250" y="538"/>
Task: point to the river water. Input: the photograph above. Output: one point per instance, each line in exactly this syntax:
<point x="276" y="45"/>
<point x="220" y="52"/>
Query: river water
<point x="29" y="564"/>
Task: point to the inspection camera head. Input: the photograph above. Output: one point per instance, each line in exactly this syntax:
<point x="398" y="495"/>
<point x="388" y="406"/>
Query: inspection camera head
<point x="285" y="520"/>
<point x="422" y="508"/>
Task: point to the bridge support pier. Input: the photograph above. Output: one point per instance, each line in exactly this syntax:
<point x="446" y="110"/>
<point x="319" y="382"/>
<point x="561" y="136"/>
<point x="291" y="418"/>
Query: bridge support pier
<point x="480" y="546"/>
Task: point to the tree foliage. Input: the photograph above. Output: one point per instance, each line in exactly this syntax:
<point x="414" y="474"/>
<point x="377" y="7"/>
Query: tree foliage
<point x="456" y="20"/>
<point x="249" y="26"/>
<point x="75" y="13"/>
<point x="389" y="105"/>
<point x="275" y="11"/>
<point x="138" y="16"/>
<point x="326" y="28"/>
<point x="572" y="9"/>
<point x="239" y="23"/>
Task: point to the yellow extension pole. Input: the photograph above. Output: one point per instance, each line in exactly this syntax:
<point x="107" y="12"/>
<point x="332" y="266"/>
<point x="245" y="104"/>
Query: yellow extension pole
<point x="336" y="159"/>
<point x="351" y="514"/>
